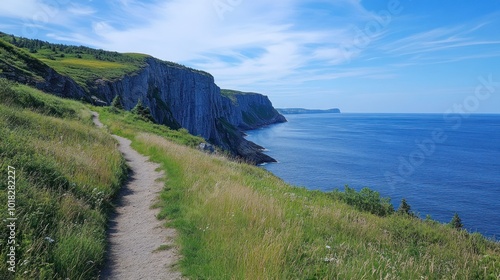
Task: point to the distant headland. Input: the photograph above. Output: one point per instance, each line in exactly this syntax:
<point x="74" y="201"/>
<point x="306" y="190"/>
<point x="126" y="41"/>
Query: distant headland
<point x="290" y="111"/>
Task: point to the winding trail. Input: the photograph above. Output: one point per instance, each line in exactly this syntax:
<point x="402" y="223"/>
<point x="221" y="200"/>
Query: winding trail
<point x="134" y="233"/>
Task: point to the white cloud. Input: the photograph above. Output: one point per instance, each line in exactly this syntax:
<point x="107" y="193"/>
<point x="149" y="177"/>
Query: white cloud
<point x="80" y="10"/>
<point x="21" y="9"/>
<point x="35" y="16"/>
<point x="439" y="39"/>
<point x="194" y="33"/>
<point x="215" y="35"/>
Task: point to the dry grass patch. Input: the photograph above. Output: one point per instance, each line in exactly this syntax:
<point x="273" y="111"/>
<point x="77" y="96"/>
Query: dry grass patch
<point x="240" y="222"/>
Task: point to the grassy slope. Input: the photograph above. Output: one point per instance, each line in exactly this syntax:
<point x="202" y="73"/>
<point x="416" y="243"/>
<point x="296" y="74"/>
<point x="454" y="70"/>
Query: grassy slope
<point x="82" y="64"/>
<point x="235" y="221"/>
<point x="21" y="61"/>
<point x="67" y="171"/>
<point x="87" y="69"/>
<point x="240" y="222"/>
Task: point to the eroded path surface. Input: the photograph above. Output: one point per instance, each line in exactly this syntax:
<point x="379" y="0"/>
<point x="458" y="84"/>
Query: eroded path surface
<point x="135" y="234"/>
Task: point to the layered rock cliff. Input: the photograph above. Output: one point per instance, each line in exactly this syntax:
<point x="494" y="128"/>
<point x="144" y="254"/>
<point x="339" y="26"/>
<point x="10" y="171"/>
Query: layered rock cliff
<point x="176" y="95"/>
<point x="252" y="110"/>
<point x="182" y="97"/>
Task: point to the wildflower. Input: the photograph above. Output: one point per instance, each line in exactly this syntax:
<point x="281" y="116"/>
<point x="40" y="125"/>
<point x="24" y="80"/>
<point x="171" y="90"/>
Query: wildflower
<point x="327" y="259"/>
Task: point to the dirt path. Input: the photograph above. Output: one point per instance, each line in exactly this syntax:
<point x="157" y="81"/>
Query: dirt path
<point x="135" y="233"/>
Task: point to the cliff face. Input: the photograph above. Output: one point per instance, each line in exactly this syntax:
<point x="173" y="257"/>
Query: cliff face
<point x="177" y="96"/>
<point x="182" y="97"/>
<point x="252" y="110"/>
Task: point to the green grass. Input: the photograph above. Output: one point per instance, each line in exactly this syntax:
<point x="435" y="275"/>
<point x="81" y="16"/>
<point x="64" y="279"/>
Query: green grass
<point x="84" y="65"/>
<point x="67" y="172"/>
<point x="18" y="62"/>
<point x="25" y="97"/>
<point x="87" y="69"/>
<point x="238" y="221"/>
<point x="125" y="123"/>
<point x="235" y="221"/>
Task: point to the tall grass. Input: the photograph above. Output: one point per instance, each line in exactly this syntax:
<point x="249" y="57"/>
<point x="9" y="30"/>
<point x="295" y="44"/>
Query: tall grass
<point x="126" y="124"/>
<point x="66" y="175"/>
<point x="235" y="221"/>
<point x="240" y="222"/>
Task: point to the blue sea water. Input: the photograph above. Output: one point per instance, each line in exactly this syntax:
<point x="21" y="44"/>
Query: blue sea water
<point x="441" y="164"/>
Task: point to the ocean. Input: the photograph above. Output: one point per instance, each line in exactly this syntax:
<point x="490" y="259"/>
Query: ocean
<point x="441" y="164"/>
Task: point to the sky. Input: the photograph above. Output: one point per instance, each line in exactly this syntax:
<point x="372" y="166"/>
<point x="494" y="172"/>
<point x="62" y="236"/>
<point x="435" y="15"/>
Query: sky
<point x="387" y="56"/>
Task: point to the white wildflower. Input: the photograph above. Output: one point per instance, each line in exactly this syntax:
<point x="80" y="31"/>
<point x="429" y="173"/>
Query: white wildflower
<point x="49" y="239"/>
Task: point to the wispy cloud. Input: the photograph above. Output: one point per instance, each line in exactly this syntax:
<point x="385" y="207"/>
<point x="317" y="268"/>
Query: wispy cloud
<point x="35" y="16"/>
<point x="285" y="46"/>
<point x="22" y="9"/>
<point x="285" y="36"/>
<point x="192" y="32"/>
<point x="80" y="10"/>
<point x="440" y="40"/>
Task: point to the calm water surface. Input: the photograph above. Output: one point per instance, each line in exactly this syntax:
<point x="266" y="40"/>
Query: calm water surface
<point x="440" y="164"/>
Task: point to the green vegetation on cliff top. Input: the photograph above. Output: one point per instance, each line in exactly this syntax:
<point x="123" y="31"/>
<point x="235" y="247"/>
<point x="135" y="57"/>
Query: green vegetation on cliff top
<point x="82" y="64"/>
<point x="231" y="94"/>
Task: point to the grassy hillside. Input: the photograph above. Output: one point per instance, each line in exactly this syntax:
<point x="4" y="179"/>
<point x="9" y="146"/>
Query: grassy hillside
<point x="235" y="221"/>
<point x="83" y="64"/>
<point x="13" y="59"/>
<point x="240" y="222"/>
<point x="66" y="173"/>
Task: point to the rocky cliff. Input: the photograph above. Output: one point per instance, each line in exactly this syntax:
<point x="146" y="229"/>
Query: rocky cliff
<point x="251" y="110"/>
<point x="181" y="97"/>
<point x="176" y="95"/>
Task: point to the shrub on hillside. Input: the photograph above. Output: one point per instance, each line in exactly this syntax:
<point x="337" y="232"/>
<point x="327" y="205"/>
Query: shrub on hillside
<point x="456" y="222"/>
<point x="117" y="103"/>
<point x="142" y="111"/>
<point x="405" y="208"/>
<point x="365" y="200"/>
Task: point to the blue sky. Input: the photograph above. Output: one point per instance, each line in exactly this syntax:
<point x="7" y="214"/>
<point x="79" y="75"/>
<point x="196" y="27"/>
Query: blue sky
<point x="361" y="56"/>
